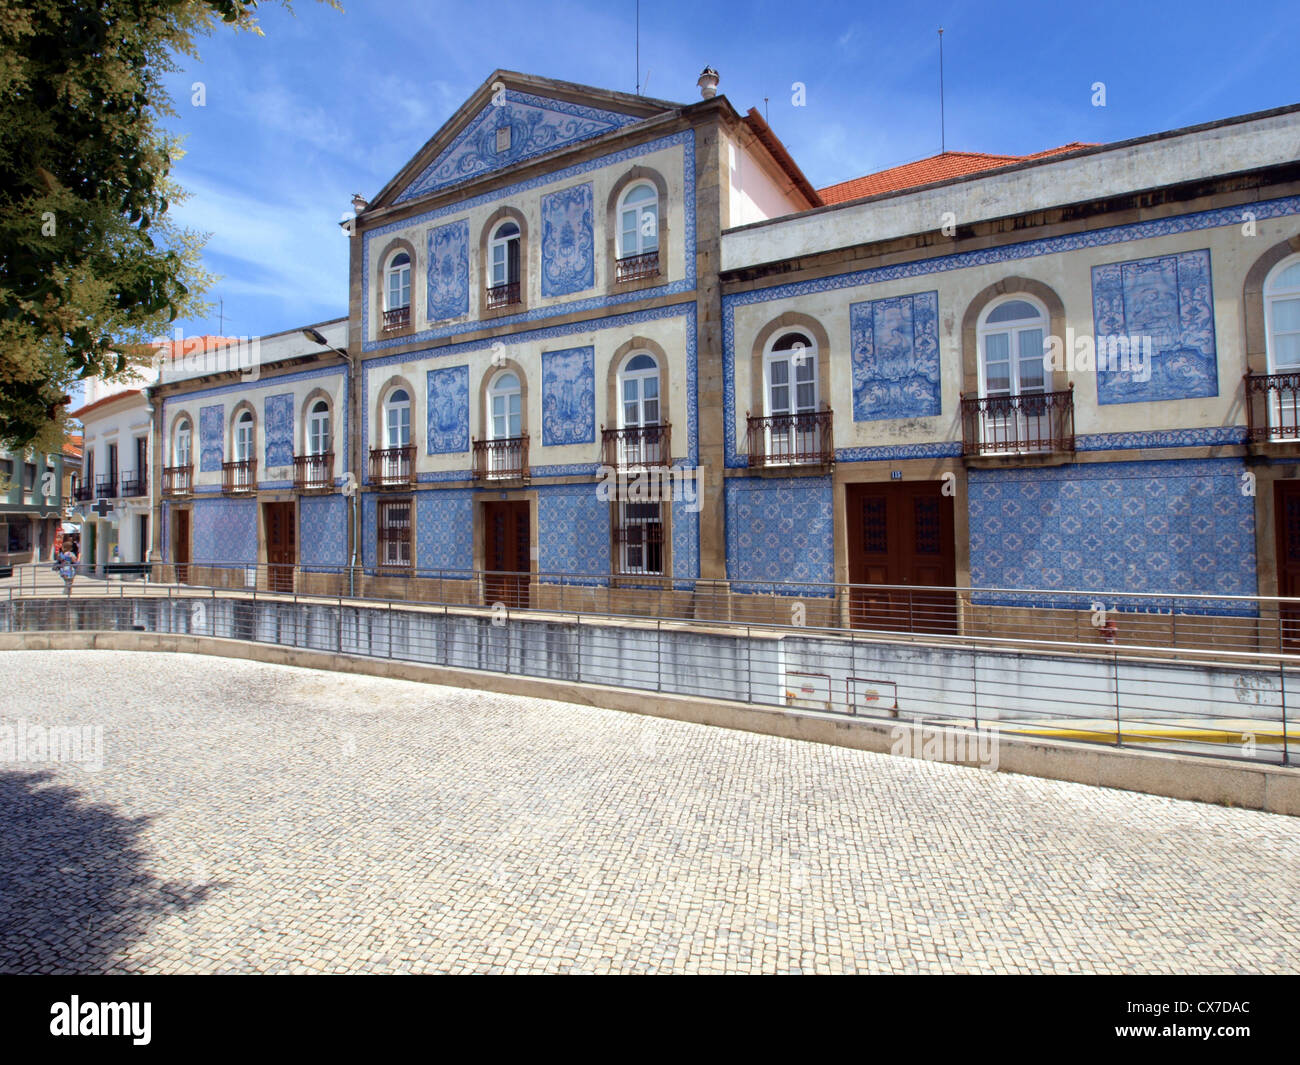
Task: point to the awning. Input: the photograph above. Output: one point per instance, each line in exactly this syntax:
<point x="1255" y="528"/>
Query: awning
<point x="68" y="527"/>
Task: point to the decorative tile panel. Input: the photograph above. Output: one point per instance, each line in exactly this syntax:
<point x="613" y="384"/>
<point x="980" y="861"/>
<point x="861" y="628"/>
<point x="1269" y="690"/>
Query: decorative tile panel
<point x="323" y="532"/>
<point x="444" y="531"/>
<point x="895" y="355"/>
<point x="224" y="531"/>
<point x="1165" y="305"/>
<point x="448" y="292"/>
<point x="278" y="426"/>
<point x="569" y="396"/>
<point x="779" y="530"/>
<point x="568" y="241"/>
<point x="448" y="410"/>
<point x="536" y="124"/>
<point x="572" y="531"/>
<point x="369" y="530"/>
<point x="686" y="542"/>
<point x="1177" y="526"/>
<point x="212" y="438"/>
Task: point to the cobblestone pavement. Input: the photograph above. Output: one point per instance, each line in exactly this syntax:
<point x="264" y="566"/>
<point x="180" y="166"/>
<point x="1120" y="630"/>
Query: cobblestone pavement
<point x="256" y="817"/>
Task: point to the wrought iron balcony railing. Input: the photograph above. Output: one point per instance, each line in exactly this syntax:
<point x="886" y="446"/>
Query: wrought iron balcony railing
<point x="134" y="484"/>
<point x="178" y="480"/>
<point x="105" y="487"/>
<point x="503" y="295"/>
<point x="393" y="467"/>
<point x="1272" y="407"/>
<point x="636" y="447"/>
<point x="1022" y="424"/>
<point x="802" y="439"/>
<point x="397" y="319"/>
<point x="239" y="476"/>
<point x="637" y="267"/>
<point x="501" y="460"/>
<point x="313" y="473"/>
<point x="83" y="493"/>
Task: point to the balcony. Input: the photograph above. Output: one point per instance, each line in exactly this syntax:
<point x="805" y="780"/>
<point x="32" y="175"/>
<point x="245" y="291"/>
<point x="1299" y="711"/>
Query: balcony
<point x="637" y="267"/>
<point x="1031" y="423"/>
<point x="503" y="295"/>
<point x="134" y="484"/>
<point x="501" y="460"/>
<point x="239" y="477"/>
<point x="397" y="320"/>
<point x="635" y="448"/>
<point x="393" y="467"/>
<point x="313" y="473"/>
<point x="178" y="480"/>
<point x="1272" y="407"/>
<point x="785" y="440"/>
<point x="105" y="487"/>
<point x="83" y="493"/>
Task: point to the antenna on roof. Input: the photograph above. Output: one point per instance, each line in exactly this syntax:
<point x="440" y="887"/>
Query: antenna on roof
<point x="942" y="138"/>
<point x="767" y="112"/>
<point x="638" y="47"/>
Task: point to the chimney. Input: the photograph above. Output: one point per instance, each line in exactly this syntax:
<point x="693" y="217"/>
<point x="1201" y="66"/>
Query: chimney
<point x="708" y="83"/>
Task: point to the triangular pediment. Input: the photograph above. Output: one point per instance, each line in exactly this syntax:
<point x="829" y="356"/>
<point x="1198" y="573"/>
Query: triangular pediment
<point x="513" y="123"/>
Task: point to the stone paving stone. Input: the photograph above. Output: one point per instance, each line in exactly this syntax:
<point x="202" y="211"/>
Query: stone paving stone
<point x="251" y="817"/>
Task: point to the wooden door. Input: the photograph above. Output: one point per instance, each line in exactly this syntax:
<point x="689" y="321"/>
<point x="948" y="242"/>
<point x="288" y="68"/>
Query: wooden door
<point x="281" y="546"/>
<point x="1286" y="522"/>
<point x="901" y="535"/>
<point x="181" y="545"/>
<point x="506" y="554"/>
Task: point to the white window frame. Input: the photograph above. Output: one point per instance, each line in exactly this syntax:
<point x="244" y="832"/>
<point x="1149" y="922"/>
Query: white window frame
<point x="184" y="432"/>
<point x="783" y="444"/>
<point x="643" y="244"/>
<point x="1273" y="294"/>
<point x="494" y="392"/>
<point x="984" y="330"/>
<point x="639" y="451"/>
<point x="626" y="547"/>
<point x="501" y="244"/>
<point x="245" y="442"/>
<point x="402" y="273"/>
<point x="393" y="407"/>
<point x="319" y="441"/>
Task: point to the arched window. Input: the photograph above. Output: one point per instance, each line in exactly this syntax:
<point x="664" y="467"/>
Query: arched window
<point x="792" y="427"/>
<point x="503" y="264"/>
<point x="641" y="434"/>
<point x="318" y="428"/>
<point x="397" y="282"/>
<point x="1282" y="315"/>
<point x="1011" y="334"/>
<point x="182" y="442"/>
<point x="505" y="411"/>
<point x="397" y="419"/>
<point x="638" y="220"/>
<point x="244" y="448"/>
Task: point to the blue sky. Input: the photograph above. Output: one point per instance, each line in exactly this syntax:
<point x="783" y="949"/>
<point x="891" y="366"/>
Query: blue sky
<point x="330" y="103"/>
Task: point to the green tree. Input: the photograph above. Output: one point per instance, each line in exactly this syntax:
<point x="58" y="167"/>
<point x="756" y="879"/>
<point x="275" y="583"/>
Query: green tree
<point x="91" y="265"/>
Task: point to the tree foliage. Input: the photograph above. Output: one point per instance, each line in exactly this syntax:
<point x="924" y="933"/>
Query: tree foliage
<point x="91" y="263"/>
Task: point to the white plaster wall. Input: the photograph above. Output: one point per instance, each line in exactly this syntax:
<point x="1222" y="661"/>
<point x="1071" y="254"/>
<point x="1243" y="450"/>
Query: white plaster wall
<point x="669" y="333"/>
<point x="253" y="354"/>
<point x="757" y="192"/>
<point x="120" y="423"/>
<point x="1228" y="149"/>
<point x="667" y="161"/>
<point x="1069" y="274"/>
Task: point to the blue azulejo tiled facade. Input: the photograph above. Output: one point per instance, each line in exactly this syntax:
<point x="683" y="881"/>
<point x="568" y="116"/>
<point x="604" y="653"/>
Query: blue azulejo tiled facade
<point x="1166" y="526"/>
<point x="323" y="532"/>
<point x="444" y="531"/>
<point x="895" y="352"/>
<point x="225" y="531"/>
<point x="780" y="530"/>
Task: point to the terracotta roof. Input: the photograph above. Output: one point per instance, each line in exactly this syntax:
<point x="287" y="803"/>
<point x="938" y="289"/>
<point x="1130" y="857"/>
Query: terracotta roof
<point x="178" y="349"/>
<point x="101" y="402"/>
<point x="942" y="167"/>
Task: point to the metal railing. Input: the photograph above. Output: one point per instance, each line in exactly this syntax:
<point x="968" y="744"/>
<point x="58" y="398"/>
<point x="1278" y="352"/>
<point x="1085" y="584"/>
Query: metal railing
<point x="83" y="493"/>
<point x="505" y="459"/>
<point x="1025" y="423"/>
<point x="1272" y="407"/>
<point x="105" y="487"/>
<point x="134" y="484"/>
<point x="178" y="480"/>
<point x="1212" y="701"/>
<point x="802" y="439"/>
<point x="397" y="319"/>
<point x="239" y="476"/>
<point x="637" y="267"/>
<point x="313" y="473"/>
<point x="503" y="295"/>
<point x="393" y="467"/>
<point x="636" y="447"/>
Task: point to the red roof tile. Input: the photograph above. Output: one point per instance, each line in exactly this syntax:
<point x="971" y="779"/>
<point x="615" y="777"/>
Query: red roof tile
<point x="942" y="167"/>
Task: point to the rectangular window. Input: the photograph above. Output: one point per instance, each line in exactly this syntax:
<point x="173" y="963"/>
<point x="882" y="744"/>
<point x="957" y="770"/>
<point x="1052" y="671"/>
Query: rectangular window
<point x="639" y="538"/>
<point x="29" y="476"/>
<point x="395" y="533"/>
